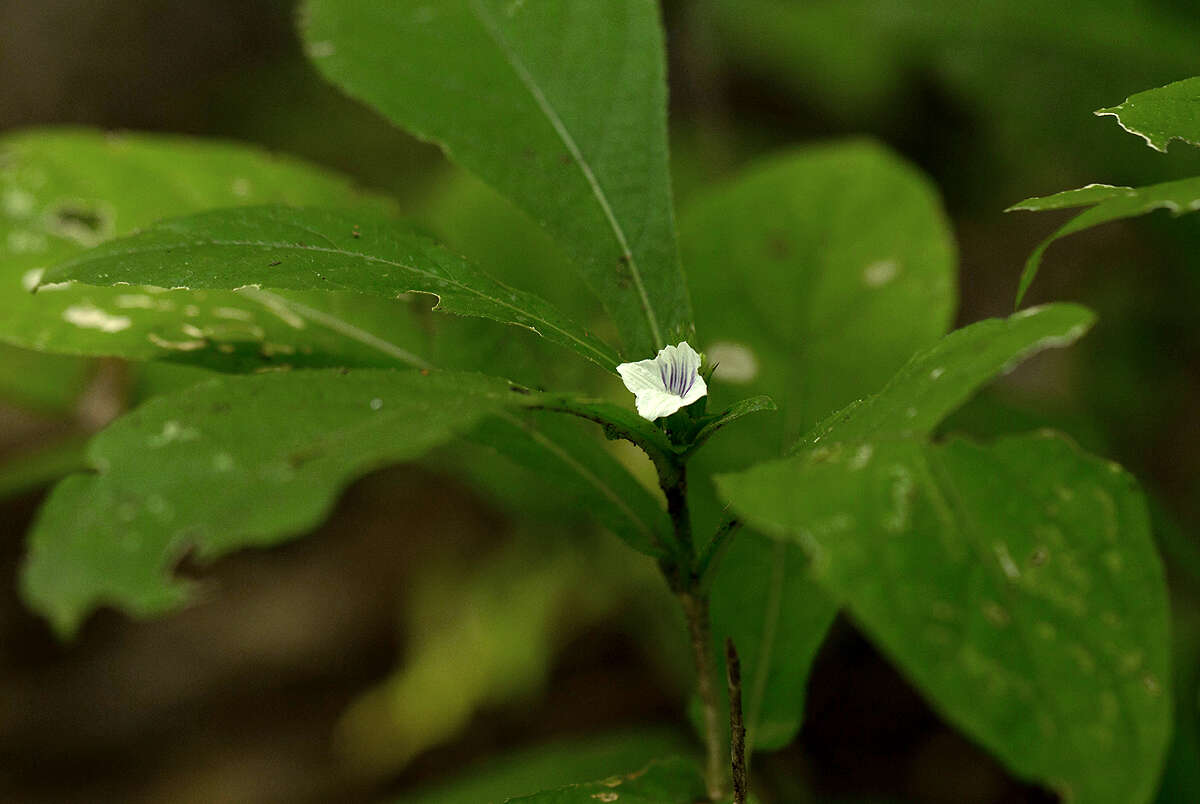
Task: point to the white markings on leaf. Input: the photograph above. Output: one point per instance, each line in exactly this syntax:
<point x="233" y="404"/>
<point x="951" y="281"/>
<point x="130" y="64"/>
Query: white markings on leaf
<point x="180" y="346"/>
<point x="89" y="317"/>
<point x="31" y="278"/>
<point x="878" y="274"/>
<point x="172" y="432"/>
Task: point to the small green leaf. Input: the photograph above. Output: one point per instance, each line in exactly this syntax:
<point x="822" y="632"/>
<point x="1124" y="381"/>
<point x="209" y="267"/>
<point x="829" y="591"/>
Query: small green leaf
<point x="1163" y="114"/>
<point x="559" y="106"/>
<point x="1110" y="204"/>
<point x="63" y="190"/>
<point x="312" y="249"/>
<point x="765" y="600"/>
<point x="528" y="770"/>
<point x="938" y="380"/>
<point x="233" y="462"/>
<point x="738" y="410"/>
<point x="670" y="781"/>
<point x="1016" y="584"/>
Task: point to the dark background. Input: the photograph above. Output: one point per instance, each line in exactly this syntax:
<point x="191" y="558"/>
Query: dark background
<point x="240" y="697"/>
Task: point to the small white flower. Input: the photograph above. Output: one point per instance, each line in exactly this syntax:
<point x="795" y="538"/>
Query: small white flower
<point x="667" y="383"/>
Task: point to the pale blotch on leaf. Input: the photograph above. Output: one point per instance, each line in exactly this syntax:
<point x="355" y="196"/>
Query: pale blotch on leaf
<point x="668" y="382"/>
<point x="878" y="274"/>
<point x="734" y="363"/>
<point x="89" y="317"/>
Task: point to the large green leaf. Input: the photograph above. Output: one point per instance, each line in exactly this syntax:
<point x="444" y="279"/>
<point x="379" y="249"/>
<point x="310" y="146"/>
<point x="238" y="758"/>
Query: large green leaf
<point x="526" y="771"/>
<point x="560" y="106"/>
<point x="1016" y="584"/>
<point x="233" y="462"/>
<point x="316" y="249"/>
<point x="62" y="191"/>
<point x="1108" y="203"/>
<point x="671" y="781"/>
<point x="764" y="599"/>
<point x="1163" y="114"/>
<point x="817" y="273"/>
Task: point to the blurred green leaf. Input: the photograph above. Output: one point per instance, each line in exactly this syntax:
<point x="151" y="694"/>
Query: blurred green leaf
<point x="764" y="599"/>
<point x="63" y="190"/>
<point x="481" y="635"/>
<point x="1163" y="114"/>
<point x="561" y="107"/>
<point x="316" y="249"/>
<point x="234" y="462"/>
<point x="48" y="383"/>
<point x="583" y="475"/>
<point x="31" y="470"/>
<point x="1110" y="204"/>
<point x="529" y="770"/>
<point x="670" y="781"/>
<point x="938" y="380"/>
<point x="1016" y="584"/>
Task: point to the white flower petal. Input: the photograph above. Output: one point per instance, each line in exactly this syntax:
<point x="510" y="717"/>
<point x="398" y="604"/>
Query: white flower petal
<point x="656" y="404"/>
<point x="641" y="376"/>
<point x="667" y="383"/>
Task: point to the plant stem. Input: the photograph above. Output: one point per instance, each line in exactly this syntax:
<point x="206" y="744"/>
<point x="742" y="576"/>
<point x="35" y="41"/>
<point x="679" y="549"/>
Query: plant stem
<point x="737" y="726"/>
<point x="696" y="609"/>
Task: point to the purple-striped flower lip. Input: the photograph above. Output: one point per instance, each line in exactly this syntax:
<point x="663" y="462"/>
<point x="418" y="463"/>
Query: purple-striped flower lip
<point x="668" y="382"/>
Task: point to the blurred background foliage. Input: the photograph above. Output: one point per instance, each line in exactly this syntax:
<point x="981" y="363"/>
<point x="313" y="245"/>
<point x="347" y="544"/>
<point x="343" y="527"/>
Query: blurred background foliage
<point x="422" y="633"/>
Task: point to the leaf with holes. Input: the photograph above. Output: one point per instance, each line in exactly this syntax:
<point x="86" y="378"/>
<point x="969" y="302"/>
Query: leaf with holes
<point x="1163" y="114"/>
<point x="323" y="250"/>
<point x="559" y="106"/>
<point x="1108" y="204"/>
<point x="1016" y="584"/>
<point x="64" y="190"/>
<point x="230" y="463"/>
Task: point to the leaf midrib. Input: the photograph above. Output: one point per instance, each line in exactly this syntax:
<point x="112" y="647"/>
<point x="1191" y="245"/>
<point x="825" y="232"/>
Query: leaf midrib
<point x="527" y="80"/>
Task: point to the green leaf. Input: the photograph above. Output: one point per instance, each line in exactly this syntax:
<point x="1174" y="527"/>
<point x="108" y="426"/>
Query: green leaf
<point x="526" y="771"/>
<point x="64" y="190"/>
<point x="561" y="107"/>
<point x="1110" y="204"/>
<point x="670" y="781"/>
<point x="765" y="600"/>
<point x="1016" y="584"/>
<point x="1163" y="114"/>
<point x="234" y="462"/>
<point x="817" y="273"/>
<point x="938" y="380"/>
<point x="313" y="249"/>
